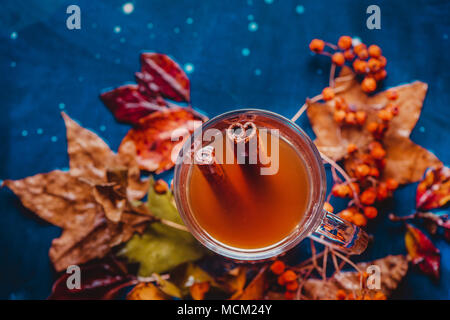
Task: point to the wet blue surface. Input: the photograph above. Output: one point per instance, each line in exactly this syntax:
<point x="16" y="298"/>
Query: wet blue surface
<point x="240" y="54"/>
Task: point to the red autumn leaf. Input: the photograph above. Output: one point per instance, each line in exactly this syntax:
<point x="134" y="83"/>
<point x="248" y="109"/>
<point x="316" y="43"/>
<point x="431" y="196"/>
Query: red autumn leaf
<point x="434" y="190"/>
<point x="161" y="76"/>
<point x="155" y="150"/>
<point x="129" y="105"/>
<point x="101" y="279"/>
<point x="422" y="251"/>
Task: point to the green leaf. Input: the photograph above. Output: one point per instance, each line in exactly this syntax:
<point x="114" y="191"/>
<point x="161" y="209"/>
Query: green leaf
<point x="161" y="248"/>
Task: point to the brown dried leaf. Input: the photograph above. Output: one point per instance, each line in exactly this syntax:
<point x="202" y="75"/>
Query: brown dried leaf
<point x="76" y="201"/>
<point x="393" y="269"/>
<point x="255" y="289"/>
<point x="406" y="161"/>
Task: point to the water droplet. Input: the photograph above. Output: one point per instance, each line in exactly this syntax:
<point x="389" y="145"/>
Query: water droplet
<point x="122" y="40"/>
<point x="268" y="1"/>
<point x="422" y="129"/>
<point x="249" y="2"/>
<point x="24" y="133"/>
<point x="54" y="138"/>
<point x="257" y="72"/>
<point x="300" y="9"/>
<point x="94" y="25"/>
<point x="189" y="68"/>
<point x="97" y="56"/>
<point x="14" y="35"/>
<point x="39" y="131"/>
<point x="189" y="20"/>
<point x="128" y="8"/>
<point x="150" y="25"/>
<point x="245" y="52"/>
<point x="319" y="71"/>
<point x="152" y="36"/>
<point x="176" y="30"/>
<point x="117" y="29"/>
<point x="62" y="106"/>
<point x="102" y="128"/>
<point x="252" y="26"/>
<point x="445" y="36"/>
<point x="250" y="17"/>
<point x="117" y="61"/>
<point x="13" y="64"/>
<point x="80" y="78"/>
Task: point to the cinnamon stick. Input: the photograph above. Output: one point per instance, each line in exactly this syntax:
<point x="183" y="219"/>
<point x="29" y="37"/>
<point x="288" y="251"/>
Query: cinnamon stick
<point x="247" y="145"/>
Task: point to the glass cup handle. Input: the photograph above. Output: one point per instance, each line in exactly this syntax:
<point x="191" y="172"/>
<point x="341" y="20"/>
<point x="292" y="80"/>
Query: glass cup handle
<point x="341" y="234"/>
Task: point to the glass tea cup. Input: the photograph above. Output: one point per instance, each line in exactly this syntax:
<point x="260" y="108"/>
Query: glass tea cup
<point x="316" y="223"/>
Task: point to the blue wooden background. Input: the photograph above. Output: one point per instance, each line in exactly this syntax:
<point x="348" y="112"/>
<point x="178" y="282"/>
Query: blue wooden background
<point x="241" y="53"/>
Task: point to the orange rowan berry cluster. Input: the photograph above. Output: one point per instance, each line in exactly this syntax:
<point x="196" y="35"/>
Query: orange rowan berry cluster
<point x="348" y="115"/>
<point x="367" y="62"/>
<point x="286" y="278"/>
<point x="353" y="215"/>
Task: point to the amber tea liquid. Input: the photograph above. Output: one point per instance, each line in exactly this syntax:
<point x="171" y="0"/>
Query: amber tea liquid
<point x="261" y="210"/>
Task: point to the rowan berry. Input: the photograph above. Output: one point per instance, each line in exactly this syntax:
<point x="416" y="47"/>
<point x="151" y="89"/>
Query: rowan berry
<point x="340" y="190"/>
<point x="351" y="147"/>
<point x="347" y="215"/>
<point x="362" y="170"/>
<point x="380" y="75"/>
<point x="292" y="285"/>
<point x="289" y="295"/>
<point x="339" y="116"/>
<point x="350" y="118"/>
<point x="372" y="127"/>
<point x="341" y="295"/>
<point x="344" y="42"/>
<point x="382" y="191"/>
<point x="391" y="184"/>
<point x="289" y="276"/>
<point x="327" y="94"/>
<point x="277" y="267"/>
<point x="360" y="66"/>
<point x="161" y="186"/>
<point x="368" y="84"/>
<point x="363" y="54"/>
<point x="374" y="172"/>
<point x="359" y="219"/>
<point x="393" y="108"/>
<point x="338" y="59"/>
<point x="378" y="153"/>
<point x="370" y="212"/>
<point x="317" y="45"/>
<point x="374" y="51"/>
<point x="392" y="94"/>
<point x="328" y="207"/>
<point x="368" y="196"/>
<point x="340" y="104"/>
<point x="374" y="64"/>
<point x="358" y="48"/>
<point x="281" y="281"/>
<point x="385" y="115"/>
<point x="361" y="117"/>
<point x="349" y="55"/>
